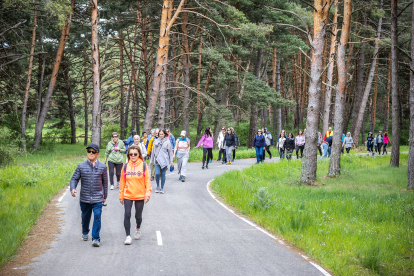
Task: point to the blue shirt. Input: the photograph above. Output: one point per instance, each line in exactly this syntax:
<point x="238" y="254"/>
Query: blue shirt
<point x="130" y="141"/>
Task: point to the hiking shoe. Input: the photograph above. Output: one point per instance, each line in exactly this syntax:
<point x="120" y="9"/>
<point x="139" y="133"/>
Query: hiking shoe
<point x="152" y="178"/>
<point x="206" y="166"/>
<point x="137" y="234"/>
<point x="157" y="190"/>
<point x="218" y="159"/>
<point x="128" y="240"/>
<point x="183" y="179"/>
<point x="96" y="243"/>
<point x="230" y="162"/>
<point x="161" y="191"/>
<point x="202" y="167"/>
<point x="112" y="187"/>
<point x="85" y="237"/>
<point x="211" y="161"/>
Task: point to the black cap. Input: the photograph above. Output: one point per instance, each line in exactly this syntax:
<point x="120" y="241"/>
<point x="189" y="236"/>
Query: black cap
<point x="133" y="131"/>
<point x="94" y="146"/>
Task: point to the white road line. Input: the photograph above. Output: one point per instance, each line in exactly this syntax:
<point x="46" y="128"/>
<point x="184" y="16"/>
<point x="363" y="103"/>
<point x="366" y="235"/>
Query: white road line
<point x="324" y="272"/>
<point x="61" y="198"/>
<point x="159" y="238"/>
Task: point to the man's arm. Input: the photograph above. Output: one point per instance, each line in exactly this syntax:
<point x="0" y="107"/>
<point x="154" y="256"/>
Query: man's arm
<point x="75" y="180"/>
<point x="105" y="182"/>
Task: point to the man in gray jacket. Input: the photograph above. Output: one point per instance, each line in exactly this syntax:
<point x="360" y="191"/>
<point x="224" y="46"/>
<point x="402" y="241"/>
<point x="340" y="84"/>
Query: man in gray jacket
<point x="94" y="191"/>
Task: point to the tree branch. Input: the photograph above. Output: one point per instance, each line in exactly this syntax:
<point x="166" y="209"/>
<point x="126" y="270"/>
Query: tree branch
<point x="13" y="27"/>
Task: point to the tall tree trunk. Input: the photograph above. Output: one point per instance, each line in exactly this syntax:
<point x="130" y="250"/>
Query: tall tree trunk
<point x="335" y="160"/>
<point x="359" y="86"/>
<point x="387" y="96"/>
<point x="253" y="112"/>
<point x="295" y="119"/>
<point x="96" y="105"/>
<point x="277" y="111"/>
<point x="121" y="83"/>
<point x="309" y="164"/>
<point x="162" y="55"/>
<point x="410" y="180"/>
<point x="374" y="100"/>
<point x="29" y="77"/>
<point x="85" y="97"/>
<point x="64" y="35"/>
<point x="70" y="101"/>
<point x="365" y="96"/>
<point x="395" y="153"/>
<point x="41" y="74"/>
<point x="186" y="73"/>
<point x="328" y="93"/>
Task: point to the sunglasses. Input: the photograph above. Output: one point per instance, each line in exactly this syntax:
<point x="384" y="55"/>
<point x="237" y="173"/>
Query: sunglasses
<point x="91" y="151"/>
<point x="115" y="136"/>
<point x="133" y="154"/>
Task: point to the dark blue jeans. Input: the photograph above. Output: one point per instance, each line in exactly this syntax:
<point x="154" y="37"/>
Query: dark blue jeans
<point x="259" y="154"/>
<point x="87" y="209"/>
<point x="158" y="172"/>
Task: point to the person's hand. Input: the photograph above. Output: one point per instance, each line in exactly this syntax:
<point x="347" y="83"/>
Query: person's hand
<point x="216" y="143"/>
<point x="252" y="147"/>
<point x="104" y="200"/>
<point x="264" y="148"/>
<point x="116" y="148"/>
<point x="147" y="198"/>
<point x="73" y="192"/>
<point x="121" y="200"/>
<point x="171" y="164"/>
<point x="106" y="160"/>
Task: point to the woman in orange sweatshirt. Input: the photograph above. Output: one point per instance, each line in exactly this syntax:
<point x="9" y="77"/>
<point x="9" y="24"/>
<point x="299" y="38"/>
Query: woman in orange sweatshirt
<point x="135" y="187"/>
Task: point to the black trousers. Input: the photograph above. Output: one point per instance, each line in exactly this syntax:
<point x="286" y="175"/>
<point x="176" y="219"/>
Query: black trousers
<point x="379" y="146"/>
<point x="268" y="151"/>
<point x="320" y="150"/>
<point x="222" y="152"/>
<point x="347" y="150"/>
<point x="111" y="168"/>
<point x="385" y="149"/>
<point x="234" y="154"/>
<point x="299" y="148"/>
<point x="207" y="153"/>
<point x="139" y="207"/>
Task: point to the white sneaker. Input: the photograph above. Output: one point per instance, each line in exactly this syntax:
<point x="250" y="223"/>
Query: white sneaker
<point x="161" y="191"/>
<point x="112" y="187"/>
<point x="137" y="234"/>
<point x="128" y="240"/>
<point x="117" y="185"/>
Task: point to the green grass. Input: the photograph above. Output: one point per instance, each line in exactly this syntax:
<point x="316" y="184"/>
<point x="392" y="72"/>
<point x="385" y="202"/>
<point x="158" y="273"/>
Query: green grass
<point x="196" y="155"/>
<point x="27" y="187"/>
<point x="360" y="223"/>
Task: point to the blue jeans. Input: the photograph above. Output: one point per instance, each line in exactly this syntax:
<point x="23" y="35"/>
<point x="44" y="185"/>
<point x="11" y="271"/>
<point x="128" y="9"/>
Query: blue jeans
<point x="326" y="150"/>
<point x="259" y="154"/>
<point x="158" y="172"/>
<point x="87" y="209"/>
<point x="281" y="153"/>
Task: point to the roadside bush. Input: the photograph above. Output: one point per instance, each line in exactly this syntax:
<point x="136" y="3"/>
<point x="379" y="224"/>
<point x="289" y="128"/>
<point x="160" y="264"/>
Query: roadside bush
<point x="8" y="155"/>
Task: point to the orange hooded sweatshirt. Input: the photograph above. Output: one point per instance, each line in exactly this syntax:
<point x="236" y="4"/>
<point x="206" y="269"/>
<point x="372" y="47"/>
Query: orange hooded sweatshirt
<point x="134" y="186"/>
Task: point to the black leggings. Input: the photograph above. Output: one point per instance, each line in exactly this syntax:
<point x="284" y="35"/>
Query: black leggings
<point x="209" y="153"/>
<point x="301" y="151"/>
<point x="347" y="150"/>
<point x="234" y="154"/>
<point x="118" y="168"/>
<point x="221" y="152"/>
<point x="139" y="207"/>
<point x="385" y="149"/>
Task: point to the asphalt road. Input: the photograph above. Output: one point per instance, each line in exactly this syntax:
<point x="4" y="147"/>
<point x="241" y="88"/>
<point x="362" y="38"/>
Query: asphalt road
<point x="196" y="236"/>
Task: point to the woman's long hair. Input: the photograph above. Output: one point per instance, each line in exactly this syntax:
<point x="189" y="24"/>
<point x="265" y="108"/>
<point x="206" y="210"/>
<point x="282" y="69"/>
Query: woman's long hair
<point x="290" y="133"/>
<point x="385" y="134"/>
<point x="299" y="131"/>
<point x="207" y="132"/>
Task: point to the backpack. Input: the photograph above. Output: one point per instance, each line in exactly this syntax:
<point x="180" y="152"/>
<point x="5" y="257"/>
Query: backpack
<point x="125" y="167"/>
<point x="271" y="140"/>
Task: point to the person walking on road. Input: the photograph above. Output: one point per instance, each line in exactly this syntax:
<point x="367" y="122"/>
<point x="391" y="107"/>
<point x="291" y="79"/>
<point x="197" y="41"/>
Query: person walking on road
<point x="219" y="143"/>
<point x="135" y="189"/>
<point x="347" y="142"/>
<point x="386" y="142"/>
<point x="380" y="142"/>
<point x="171" y="137"/>
<point x="207" y="141"/>
<point x="154" y="136"/>
<point x="289" y="146"/>
<point x="281" y="144"/>
<point x="327" y="143"/>
<point x="259" y="144"/>
<point x="269" y="142"/>
<point x="370" y="144"/>
<point x="237" y="144"/>
<point x="141" y="145"/>
<point x="229" y="144"/>
<point x="115" y="158"/>
<point x="328" y="133"/>
<point x="93" y="193"/>
<point x="162" y="156"/>
<point x="299" y="143"/>
<point x="182" y="151"/>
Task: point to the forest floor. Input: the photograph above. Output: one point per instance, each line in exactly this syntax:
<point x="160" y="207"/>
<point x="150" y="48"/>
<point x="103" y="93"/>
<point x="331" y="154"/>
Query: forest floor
<point x="359" y="223"/>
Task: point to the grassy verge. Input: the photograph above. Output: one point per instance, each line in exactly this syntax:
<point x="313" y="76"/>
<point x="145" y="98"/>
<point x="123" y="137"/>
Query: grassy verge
<point x="196" y="155"/>
<point x="27" y="187"/>
<point x="360" y="223"/>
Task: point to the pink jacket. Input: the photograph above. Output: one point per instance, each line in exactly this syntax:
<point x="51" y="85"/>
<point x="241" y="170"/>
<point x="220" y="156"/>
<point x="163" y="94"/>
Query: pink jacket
<point x="207" y="142"/>
<point x="386" y="140"/>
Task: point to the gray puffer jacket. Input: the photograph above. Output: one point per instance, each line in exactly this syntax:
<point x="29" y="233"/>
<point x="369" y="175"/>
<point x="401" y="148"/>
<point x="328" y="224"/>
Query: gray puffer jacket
<point x="94" y="183"/>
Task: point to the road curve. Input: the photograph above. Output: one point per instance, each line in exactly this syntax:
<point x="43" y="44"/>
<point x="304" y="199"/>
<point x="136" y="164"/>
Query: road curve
<point x="184" y="232"/>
